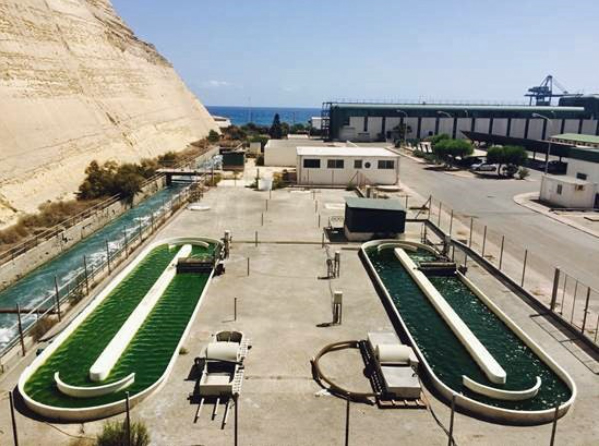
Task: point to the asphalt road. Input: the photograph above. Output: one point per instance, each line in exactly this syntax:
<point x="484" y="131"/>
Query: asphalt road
<point x="491" y="202"/>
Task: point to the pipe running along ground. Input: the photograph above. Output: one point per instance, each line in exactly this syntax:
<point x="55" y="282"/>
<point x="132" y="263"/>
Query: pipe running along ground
<point x="334" y="387"/>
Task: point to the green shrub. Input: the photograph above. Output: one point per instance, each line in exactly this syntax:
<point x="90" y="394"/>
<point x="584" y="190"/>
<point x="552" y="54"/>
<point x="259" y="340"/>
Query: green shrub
<point x="262" y="139"/>
<point x="42" y="326"/>
<point x="115" y="434"/>
<point x="523" y="173"/>
<point x="213" y="137"/>
<point x="419" y="153"/>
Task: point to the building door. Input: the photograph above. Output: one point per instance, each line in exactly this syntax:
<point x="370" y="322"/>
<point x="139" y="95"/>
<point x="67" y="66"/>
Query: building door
<point x="596" y="200"/>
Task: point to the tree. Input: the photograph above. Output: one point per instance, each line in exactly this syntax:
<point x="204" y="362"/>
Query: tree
<point x="448" y="150"/>
<point x="276" y="131"/>
<point x="438" y="138"/>
<point x="213" y="137"/>
<point x="510" y="156"/>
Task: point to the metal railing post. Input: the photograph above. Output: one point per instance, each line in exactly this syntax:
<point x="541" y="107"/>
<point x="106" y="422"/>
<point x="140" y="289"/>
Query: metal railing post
<point x="86" y="277"/>
<point x="57" y="299"/>
<point x="586" y="310"/>
<point x="524" y="268"/>
<point x="451" y="223"/>
<point x="248" y="266"/>
<point x="108" y="254"/>
<point x="439" y="217"/>
<point x="256" y="238"/>
<point x="451" y="419"/>
<point x="21" y="330"/>
<point x="484" y="241"/>
<point x="471" y="229"/>
<point x="347" y="423"/>
<point x="501" y="252"/>
<point x="235" y="309"/>
<point x="128" y="420"/>
<point x="13" y="418"/>
<point x="554" y="291"/>
<point x="554" y="427"/>
<point x="236" y="398"/>
<point x="574" y="302"/>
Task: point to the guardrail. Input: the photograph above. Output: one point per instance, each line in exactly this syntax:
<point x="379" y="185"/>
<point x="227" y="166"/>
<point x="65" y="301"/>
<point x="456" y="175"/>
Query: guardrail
<point x="46" y="234"/>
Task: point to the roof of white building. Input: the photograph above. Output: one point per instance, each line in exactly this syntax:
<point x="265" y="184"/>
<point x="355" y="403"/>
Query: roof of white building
<point x="365" y="152"/>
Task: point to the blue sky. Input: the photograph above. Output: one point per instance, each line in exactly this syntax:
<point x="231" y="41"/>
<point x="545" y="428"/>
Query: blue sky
<point x="300" y="53"/>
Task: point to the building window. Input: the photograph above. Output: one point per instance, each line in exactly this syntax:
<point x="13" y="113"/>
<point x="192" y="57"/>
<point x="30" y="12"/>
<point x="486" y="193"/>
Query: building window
<point x="365" y="123"/>
<point x="581" y="176"/>
<point x="579" y="187"/>
<point x="386" y="164"/>
<point x="559" y="189"/>
<point x="346" y="120"/>
<point x="311" y="163"/>
<point x="335" y="164"/>
<point x="357" y="164"/>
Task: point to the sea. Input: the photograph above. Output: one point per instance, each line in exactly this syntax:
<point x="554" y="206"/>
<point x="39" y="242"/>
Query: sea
<point x="264" y="115"/>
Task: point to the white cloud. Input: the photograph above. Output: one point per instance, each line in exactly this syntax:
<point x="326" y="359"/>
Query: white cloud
<point x="218" y="84"/>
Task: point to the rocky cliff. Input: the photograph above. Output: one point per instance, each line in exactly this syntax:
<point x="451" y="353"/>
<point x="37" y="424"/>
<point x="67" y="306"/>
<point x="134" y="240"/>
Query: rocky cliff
<point x="76" y="84"/>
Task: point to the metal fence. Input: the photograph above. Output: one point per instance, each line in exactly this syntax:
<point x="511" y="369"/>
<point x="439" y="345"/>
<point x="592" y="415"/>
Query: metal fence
<point x="558" y="290"/>
<point x="31" y="321"/>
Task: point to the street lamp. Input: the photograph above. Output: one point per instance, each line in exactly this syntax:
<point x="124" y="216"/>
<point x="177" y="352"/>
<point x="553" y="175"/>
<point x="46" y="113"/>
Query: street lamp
<point x="405" y="129"/>
<point x="537" y="115"/>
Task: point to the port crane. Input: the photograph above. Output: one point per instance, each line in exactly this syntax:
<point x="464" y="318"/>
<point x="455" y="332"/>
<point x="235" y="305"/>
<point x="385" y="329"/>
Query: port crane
<point x="543" y="94"/>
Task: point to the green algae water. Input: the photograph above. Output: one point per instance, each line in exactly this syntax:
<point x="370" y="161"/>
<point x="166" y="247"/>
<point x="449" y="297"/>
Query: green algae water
<point x="446" y="355"/>
<point x="149" y="352"/>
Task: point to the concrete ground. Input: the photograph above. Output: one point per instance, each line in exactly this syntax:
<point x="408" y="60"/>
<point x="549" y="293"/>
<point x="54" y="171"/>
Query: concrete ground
<point x="587" y="222"/>
<point x="280" y="307"/>
<point x="491" y="203"/>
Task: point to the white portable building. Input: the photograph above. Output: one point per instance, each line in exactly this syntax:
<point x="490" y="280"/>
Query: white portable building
<point x="344" y="166"/>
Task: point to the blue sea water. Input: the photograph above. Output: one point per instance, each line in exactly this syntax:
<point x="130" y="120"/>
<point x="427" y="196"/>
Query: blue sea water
<point x="264" y="115"/>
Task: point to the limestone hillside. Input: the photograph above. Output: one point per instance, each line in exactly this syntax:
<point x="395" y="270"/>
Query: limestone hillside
<point x="76" y="84"/>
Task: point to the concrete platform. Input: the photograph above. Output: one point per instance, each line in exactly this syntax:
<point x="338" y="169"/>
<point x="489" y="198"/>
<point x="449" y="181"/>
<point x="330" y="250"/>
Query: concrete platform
<point x="281" y="307"/>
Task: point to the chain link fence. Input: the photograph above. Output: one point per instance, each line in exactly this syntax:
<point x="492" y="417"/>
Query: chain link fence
<point x="559" y="291"/>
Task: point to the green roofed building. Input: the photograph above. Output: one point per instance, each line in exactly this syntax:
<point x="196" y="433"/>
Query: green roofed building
<point x="577" y="140"/>
<point x="530" y="126"/>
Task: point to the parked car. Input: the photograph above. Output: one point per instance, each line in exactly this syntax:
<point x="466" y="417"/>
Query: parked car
<point x="483" y="167"/>
<point x="469" y="161"/>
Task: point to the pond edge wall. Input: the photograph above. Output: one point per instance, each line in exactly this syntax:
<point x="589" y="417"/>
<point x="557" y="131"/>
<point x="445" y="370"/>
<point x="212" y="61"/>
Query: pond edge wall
<point x="106" y="410"/>
<point x="496" y="414"/>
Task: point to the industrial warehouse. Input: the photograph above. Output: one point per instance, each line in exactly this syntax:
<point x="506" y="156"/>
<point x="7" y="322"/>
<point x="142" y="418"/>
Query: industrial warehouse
<point x="528" y="125"/>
